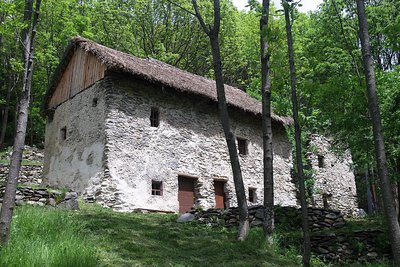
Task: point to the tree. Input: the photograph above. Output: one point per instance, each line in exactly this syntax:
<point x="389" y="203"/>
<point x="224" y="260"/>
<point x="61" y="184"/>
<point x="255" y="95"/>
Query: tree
<point x="299" y="159"/>
<point x="212" y="32"/>
<point x="380" y="153"/>
<point x="268" y="223"/>
<point x="28" y="39"/>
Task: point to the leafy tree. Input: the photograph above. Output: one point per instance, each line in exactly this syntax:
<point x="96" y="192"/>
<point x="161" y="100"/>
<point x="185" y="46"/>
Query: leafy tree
<point x="28" y="39"/>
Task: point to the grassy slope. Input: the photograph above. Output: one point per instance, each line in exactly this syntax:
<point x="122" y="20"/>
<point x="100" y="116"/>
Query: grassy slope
<point x="157" y="240"/>
<point x="95" y="236"/>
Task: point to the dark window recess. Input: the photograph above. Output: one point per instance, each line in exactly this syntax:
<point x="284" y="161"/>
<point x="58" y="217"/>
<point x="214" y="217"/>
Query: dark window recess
<point x="321" y="161"/>
<point x="156" y="188"/>
<point x="155" y="117"/>
<point x="63" y="133"/>
<point x="94" y="102"/>
<point x="242" y="146"/>
<point x="252" y="195"/>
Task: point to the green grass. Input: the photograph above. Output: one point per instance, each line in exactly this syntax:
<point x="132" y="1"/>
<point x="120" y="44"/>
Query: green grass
<point x="47" y="237"/>
<point x="24" y="162"/>
<point x="157" y="240"/>
<point x="95" y="236"/>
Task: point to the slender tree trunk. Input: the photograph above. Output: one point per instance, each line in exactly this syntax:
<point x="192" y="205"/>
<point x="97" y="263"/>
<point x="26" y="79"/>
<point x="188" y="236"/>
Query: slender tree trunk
<point x="369" y="194"/>
<point x="268" y="224"/>
<point x="4" y="119"/>
<point x="398" y="187"/>
<point x="380" y="153"/>
<point x="212" y="33"/>
<point x="299" y="162"/>
<point x="23" y="108"/>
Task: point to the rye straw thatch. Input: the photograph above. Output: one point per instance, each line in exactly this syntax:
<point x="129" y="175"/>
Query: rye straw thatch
<point x="155" y="71"/>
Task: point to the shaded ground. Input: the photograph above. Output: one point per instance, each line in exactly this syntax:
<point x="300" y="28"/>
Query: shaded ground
<point x="157" y="240"/>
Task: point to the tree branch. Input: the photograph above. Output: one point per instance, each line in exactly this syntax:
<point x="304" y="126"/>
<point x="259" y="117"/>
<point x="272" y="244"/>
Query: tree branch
<point x="181" y="7"/>
<point x="206" y="29"/>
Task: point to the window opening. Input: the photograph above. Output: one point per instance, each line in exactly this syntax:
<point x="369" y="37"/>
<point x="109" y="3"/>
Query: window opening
<point x="252" y="195"/>
<point x="242" y="146"/>
<point x="156" y="188"/>
<point x="154" y="117"/>
<point x="63" y="133"/>
<point x="321" y="161"/>
<point x="94" y="102"/>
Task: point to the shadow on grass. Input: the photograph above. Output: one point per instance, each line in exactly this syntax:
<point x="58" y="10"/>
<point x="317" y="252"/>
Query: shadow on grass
<point x="157" y="240"/>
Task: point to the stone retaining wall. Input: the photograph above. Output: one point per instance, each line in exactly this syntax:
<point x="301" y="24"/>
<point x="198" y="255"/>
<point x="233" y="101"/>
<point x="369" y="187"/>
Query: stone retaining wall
<point x="43" y="196"/>
<point x="357" y="246"/>
<point x="319" y="219"/>
<point x="29" y="174"/>
<point x="329" y="239"/>
<point x="31" y="170"/>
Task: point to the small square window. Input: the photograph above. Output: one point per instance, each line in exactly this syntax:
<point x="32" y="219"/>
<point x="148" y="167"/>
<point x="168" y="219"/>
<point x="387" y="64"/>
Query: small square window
<point x="242" y="146"/>
<point x="252" y="195"/>
<point x="321" y="161"/>
<point x="154" y="117"/>
<point x="156" y="188"/>
<point x="94" y="102"/>
<point x="63" y="133"/>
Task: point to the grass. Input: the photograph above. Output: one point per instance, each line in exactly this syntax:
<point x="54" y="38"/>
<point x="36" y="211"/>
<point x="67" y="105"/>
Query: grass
<point x="24" y="162"/>
<point x="95" y="236"/>
<point x="47" y="237"/>
<point x="157" y="240"/>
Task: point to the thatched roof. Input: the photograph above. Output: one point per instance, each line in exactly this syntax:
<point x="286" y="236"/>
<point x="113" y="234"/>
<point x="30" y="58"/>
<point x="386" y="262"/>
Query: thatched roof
<point x="155" y="71"/>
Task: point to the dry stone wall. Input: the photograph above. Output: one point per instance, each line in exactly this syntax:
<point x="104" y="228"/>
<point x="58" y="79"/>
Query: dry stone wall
<point x="31" y="170"/>
<point x="188" y="142"/>
<point x="329" y="237"/>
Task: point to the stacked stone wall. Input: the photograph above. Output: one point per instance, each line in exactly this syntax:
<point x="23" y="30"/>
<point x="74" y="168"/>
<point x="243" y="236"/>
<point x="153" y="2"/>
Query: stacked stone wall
<point x="330" y="239"/>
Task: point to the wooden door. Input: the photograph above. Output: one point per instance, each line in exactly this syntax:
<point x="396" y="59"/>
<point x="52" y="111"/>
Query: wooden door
<point x="186" y="195"/>
<point x="219" y="194"/>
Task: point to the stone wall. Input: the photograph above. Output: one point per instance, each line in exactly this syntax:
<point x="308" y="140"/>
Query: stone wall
<point x="31" y="170"/>
<point x="42" y="197"/>
<point x="74" y="141"/>
<point x="189" y="142"/>
<point x="319" y="219"/>
<point x="334" y="180"/>
<point x="329" y="237"/>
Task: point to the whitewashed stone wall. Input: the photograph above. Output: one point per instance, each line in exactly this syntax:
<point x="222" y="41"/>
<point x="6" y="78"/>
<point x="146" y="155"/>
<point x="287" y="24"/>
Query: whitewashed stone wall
<point x="76" y="162"/>
<point x="189" y="141"/>
<point x="334" y="179"/>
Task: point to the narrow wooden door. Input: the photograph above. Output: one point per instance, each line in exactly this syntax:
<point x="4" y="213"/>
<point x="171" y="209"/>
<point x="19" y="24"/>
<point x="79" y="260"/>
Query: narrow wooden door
<point x="219" y="194"/>
<point x="186" y="195"/>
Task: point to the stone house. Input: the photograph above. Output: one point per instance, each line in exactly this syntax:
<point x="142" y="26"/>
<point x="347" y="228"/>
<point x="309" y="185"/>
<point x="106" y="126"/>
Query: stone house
<point x="334" y="181"/>
<point x="135" y="133"/>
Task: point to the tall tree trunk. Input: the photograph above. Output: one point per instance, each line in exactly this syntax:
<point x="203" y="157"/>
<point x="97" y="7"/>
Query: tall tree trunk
<point x="299" y="162"/>
<point x="268" y="224"/>
<point x="398" y="187"/>
<point x="380" y="153"/>
<point x="4" y="119"/>
<point x="23" y="106"/>
<point x="212" y="32"/>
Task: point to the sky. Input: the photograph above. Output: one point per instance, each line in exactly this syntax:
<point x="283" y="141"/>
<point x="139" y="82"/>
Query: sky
<point x="308" y="5"/>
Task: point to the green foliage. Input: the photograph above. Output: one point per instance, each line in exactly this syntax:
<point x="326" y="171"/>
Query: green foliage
<point x="47" y="237"/>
